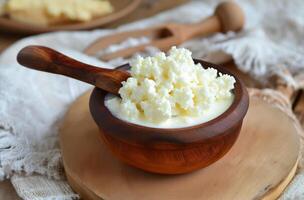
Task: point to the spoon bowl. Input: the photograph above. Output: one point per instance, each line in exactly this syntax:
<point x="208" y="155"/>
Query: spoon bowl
<point x="171" y="150"/>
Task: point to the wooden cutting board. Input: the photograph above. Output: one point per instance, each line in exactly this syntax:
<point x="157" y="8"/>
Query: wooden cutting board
<point x="259" y="165"/>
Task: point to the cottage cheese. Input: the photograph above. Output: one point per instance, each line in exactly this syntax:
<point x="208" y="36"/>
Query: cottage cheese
<point x="171" y="92"/>
<point x="56" y="11"/>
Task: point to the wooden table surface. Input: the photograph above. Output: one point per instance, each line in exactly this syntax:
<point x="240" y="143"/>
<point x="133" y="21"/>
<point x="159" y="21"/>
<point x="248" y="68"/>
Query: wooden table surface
<point x="146" y="9"/>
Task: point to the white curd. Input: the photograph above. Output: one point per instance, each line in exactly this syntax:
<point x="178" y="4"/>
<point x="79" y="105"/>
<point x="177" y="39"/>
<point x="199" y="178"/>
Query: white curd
<point x="171" y="92"/>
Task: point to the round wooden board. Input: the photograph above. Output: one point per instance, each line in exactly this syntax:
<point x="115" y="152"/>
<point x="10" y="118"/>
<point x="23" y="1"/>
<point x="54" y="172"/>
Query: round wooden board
<point x="259" y="165"/>
<point x="121" y="9"/>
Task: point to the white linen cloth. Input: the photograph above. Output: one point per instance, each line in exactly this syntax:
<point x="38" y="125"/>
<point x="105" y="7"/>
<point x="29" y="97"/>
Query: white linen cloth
<point x="32" y="103"/>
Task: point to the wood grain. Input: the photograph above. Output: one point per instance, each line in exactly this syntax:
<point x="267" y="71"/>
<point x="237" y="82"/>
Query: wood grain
<point x="48" y="60"/>
<point x="258" y="165"/>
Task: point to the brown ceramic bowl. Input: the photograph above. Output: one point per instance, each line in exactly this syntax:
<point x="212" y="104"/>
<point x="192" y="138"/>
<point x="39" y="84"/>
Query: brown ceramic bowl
<point x="176" y="150"/>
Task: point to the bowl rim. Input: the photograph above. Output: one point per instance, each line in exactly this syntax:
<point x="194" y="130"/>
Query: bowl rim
<point x="233" y="115"/>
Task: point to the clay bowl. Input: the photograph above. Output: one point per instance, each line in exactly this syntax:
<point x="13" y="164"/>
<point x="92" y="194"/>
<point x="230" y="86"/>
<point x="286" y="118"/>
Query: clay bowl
<point x="176" y="150"/>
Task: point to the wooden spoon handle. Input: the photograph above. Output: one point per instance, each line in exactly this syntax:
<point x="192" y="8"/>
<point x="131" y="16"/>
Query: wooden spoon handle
<point x="228" y="16"/>
<point x="45" y="59"/>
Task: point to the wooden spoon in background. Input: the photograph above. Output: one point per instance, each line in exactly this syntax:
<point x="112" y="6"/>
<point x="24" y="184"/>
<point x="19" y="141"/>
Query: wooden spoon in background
<point x="45" y="59"/>
<point x="228" y="16"/>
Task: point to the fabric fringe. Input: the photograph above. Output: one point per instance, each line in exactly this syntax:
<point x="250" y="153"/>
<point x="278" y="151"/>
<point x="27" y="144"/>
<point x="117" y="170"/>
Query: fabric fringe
<point x="254" y="53"/>
<point x="18" y="155"/>
<point x="40" y="188"/>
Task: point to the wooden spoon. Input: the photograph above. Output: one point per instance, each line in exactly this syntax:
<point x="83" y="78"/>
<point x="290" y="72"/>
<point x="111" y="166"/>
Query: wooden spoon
<point x="228" y="16"/>
<point x="45" y="59"/>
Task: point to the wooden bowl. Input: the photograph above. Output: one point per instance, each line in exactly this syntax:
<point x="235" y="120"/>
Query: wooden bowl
<point x="176" y="150"/>
<point x="121" y="9"/>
